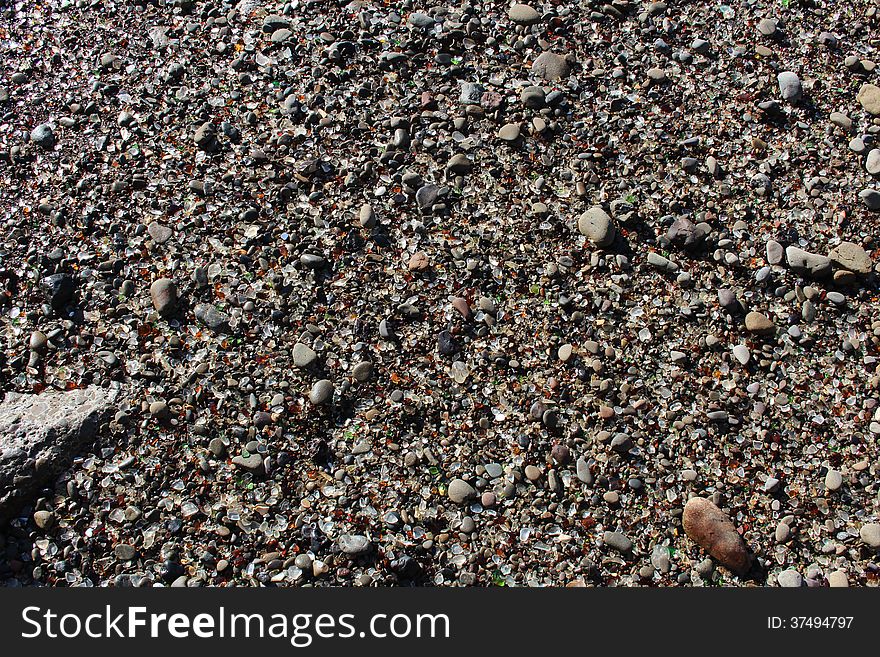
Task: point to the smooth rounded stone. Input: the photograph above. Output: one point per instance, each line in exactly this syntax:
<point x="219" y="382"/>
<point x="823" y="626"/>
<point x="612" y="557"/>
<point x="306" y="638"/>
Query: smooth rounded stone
<point x="487" y="499"/>
<point x="312" y="261"/>
<point x="446" y="344"/>
<point x="806" y="263"/>
<point x="532" y="473"/>
<point x="857" y="145"/>
<point x="459" y="164"/>
<point x="494" y="470"/>
<point x="38" y="341"/>
<point x="251" y="462"/>
<point x="833" y="480"/>
<point x="354" y="544"/>
<point x="597" y="226"/>
<point x="775" y="252"/>
<point x="564" y="352"/>
<point x="522" y="14"/>
<point x="551" y="66"/>
<point x="871" y="198"/>
<point x="460" y="491"/>
<point x="43" y="136"/>
<point x="509" y="132"/>
<point x="322" y="391"/>
<point x="125" y="552"/>
<point x="661" y="262"/>
<point x="767" y="26"/>
<point x="362" y="371"/>
<point x="418" y="262"/>
<point x="582" y="468"/>
<point x="59" y="289"/>
<point x="533" y="97"/>
<point x="872" y="162"/>
<point x="759" y="323"/>
<point x="159" y="233"/>
<point x="163" y="293"/>
<point x="461" y="306"/>
<point x="160" y="410"/>
<point x="420" y="19"/>
<point x="657" y="76"/>
<point x="366" y="216"/>
<point x="710" y="528"/>
<point x="468" y="526"/>
<point x="870" y="534"/>
<point x="838" y="580"/>
<point x="790" y="86"/>
<point x="741" y="353"/>
<point x="621" y="443"/>
<point x="216" y="447"/>
<point x="618" y="541"/>
<point x="205" y="137"/>
<point x="836" y="298"/>
<point x="841" y="120"/>
<point x="851" y="256"/>
<point x="280" y="35"/>
<point x="869" y="98"/>
<point x="303" y="355"/>
<point x="701" y="46"/>
<point x="44" y="519"/>
<point x="727" y="300"/>
<point x="782" y="533"/>
<point x="790" y="579"/>
<point x="426" y="196"/>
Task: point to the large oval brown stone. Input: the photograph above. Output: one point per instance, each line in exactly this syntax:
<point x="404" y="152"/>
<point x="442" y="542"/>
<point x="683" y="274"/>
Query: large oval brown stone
<point x="711" y="529"/>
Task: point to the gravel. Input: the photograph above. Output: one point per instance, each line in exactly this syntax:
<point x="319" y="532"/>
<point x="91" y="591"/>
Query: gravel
<point x="481" y="284"/>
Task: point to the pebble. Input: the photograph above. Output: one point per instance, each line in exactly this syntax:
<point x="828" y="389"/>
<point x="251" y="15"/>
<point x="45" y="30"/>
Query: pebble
<point x="509" y="132"/>
<point x="551" y="66"/>
<point x="870" y="534"/>
<point x="506" y="237"/>
<point x="303" y="355"/>
<point x="869" y="98"/>
<point x="759" y="323"/>
<point x="322" y="392"/>
<point x="806" y="263"/>
<point x="851" y="256"/>
<point x="43" y="136"/>
<point x="790" y="579"/>
<point x="838" y="579"/>
<point x="362" y="371"/>
<point x="163" y="293"/>
<point x="125" y="552"/>
<point x="618" y="542"/>
<point x="833" y="480"/>
<point x="790" y="87"/>
<point x="460" y="491"/>
<point x="775" y="252"/>
<point x="44" y="519"/>
<point x="597" y="226"/>
<point x="712" y="529"/>
<point x="872" y="162"/>
<point x="523" y="14"/>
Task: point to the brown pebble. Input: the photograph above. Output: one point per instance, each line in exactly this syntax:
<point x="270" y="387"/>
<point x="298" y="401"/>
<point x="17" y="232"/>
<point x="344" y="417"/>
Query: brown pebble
<point x="418" y="262"/>
<point x="710" y="528"/>
<point x="461" y="305"/>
